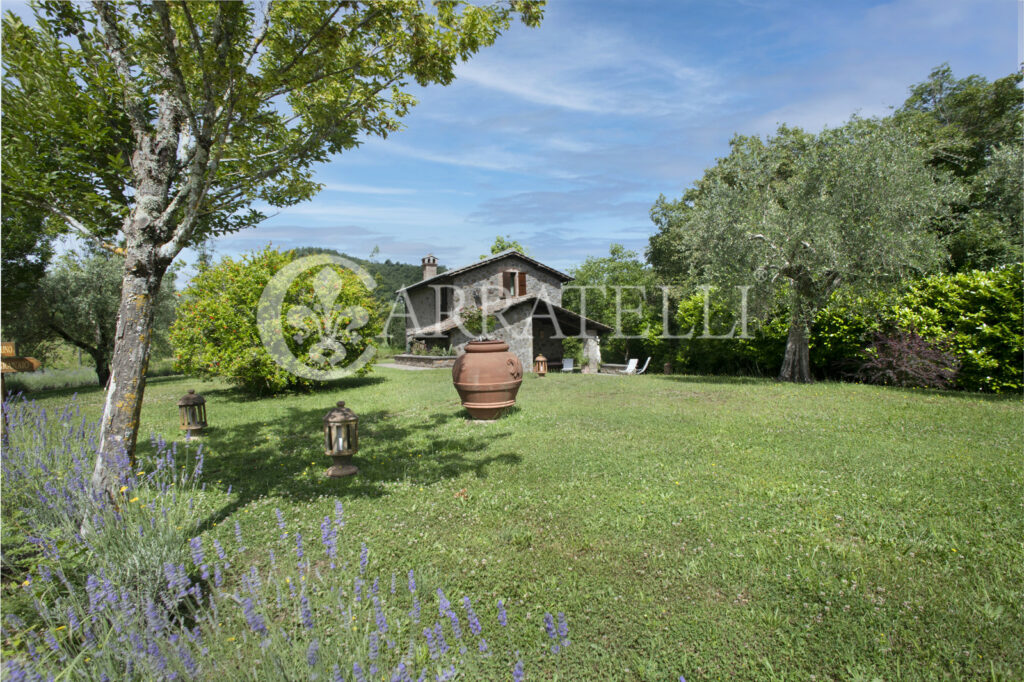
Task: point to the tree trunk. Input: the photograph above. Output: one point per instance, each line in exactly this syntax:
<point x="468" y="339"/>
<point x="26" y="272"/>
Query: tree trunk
<point x="796" y="365"/>
<point x="102" y="367"/>
<point x="119" y="427"/>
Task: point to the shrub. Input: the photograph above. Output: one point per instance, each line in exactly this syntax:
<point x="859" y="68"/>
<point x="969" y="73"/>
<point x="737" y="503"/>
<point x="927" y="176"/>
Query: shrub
<point x="215" y="333"/>
<point x="981" y="316"/>
<point x="905" y="359"/>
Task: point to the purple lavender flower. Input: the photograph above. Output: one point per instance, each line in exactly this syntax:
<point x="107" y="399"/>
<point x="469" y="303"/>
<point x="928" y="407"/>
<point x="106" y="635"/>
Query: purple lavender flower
<point x="358" y="672"/>
<point x="329" y="537"/>
<point x="336" y="674"/>
<point x="382" y="622"/>
<point x="502" y="617"/>
<point x="364" y="556"/>
<point x="517" y="671"/>
<point x="415" y="612"/>
<point x="196" y="545"/>
<point x="443" y="605"/>
<point x="412" y="581"/>
<point x="483" y="645"/>
<point x="474" y="622"/>
<point x="311" y="652"/>
<point x="456" y="627"/>
<point x="238" y="537"/>
<point x="549" y="626"/>
<point x="431" y="644"/>
<point x="221" y="554"/>
<point x="358" y="589"/>
<point x="51" y="642"/>
<point x="374" y="646"/>
<point x="218" y="577"/>
<point x="298" y="545"/>
<point x="254" y="619"/>
<point x="375" y="588"/>
<point x="339" y="515"/>
<point x="441" y="642"/>
<point x="307" y="615"/>
<point x="392" y="582"/>
<point x="563" y="628"/>
<point x="187" y="660"/>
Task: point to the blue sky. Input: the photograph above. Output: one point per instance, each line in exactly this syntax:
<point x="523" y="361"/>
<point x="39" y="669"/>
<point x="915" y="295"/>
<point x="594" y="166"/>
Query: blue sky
<point x="563" y="136"/>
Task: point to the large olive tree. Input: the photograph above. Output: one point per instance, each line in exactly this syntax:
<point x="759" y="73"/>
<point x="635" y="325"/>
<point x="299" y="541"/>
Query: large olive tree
<point x="804" y="215"/>
<point x="163" y="123"/>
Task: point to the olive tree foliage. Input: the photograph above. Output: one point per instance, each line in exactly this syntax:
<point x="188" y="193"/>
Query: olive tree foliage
<point x="76" y="303"/>
<point x="170" y="122"/>
<point x="804" y="215"/>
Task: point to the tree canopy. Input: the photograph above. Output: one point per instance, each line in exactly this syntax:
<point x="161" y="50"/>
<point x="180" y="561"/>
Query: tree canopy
<point x="982" y="123"/>
<point x="807" y="213"/>
<point x="76" y="302"/>
<point x="504" y="244"/>
<point x="169" y="122"/>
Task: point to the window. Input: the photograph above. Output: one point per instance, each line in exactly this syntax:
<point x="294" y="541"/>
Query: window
<point x="513" y="284"/>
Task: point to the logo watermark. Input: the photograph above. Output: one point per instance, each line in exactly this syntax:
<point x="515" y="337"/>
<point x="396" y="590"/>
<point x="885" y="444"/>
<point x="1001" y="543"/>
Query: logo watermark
<point x="332" y="326"/>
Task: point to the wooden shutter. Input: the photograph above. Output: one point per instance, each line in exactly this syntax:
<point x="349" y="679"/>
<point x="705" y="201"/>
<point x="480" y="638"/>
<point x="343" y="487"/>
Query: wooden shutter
<point x="522" y="284"/>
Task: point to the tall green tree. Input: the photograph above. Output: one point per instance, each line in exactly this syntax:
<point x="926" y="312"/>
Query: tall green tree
<point x="611" y="289"/>
<point x="986" y="122"/>
<point x="807" y="214"/>
<point x="504" y="244"/>
<point x="175" y="121"/>
<point x="76" y="303"/>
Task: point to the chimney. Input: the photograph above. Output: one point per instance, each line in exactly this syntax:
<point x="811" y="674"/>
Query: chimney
<point x="429" y="266"/>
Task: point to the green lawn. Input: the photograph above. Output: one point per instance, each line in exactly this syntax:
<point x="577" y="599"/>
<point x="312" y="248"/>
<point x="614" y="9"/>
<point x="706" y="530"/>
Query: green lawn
<point x="715" y="528"/>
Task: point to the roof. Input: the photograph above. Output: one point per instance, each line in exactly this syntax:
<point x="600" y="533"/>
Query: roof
<point x="561" y="314"/>
<point x="448" y="274"/>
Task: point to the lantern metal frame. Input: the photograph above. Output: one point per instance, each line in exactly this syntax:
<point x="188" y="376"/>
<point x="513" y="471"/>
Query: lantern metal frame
<point x="192" y="412"/>
<point x="540" y="365"/>
<point x="341" y="440"/>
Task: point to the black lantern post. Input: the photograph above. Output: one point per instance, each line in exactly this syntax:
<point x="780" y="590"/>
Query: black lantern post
<point x="192" y="410"/>
<point x="341" y="440"/>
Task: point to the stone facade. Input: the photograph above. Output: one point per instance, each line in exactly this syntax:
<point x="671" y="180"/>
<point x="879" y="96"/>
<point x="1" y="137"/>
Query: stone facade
<point x="482" y="286"/>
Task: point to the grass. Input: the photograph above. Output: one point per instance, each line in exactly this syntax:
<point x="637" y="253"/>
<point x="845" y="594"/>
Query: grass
<point x="71" y="377"/>
<point x="714" y="528"/>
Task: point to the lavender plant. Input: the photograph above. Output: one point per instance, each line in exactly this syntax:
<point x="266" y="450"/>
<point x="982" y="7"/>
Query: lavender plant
<point x="200" y="613"/>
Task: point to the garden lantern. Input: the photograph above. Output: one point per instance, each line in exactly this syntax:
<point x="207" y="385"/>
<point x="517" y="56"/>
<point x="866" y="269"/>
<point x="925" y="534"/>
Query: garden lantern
<point x="540" y="365"/>
<point x="192" y="410"/>
<point x="341" y="440"/>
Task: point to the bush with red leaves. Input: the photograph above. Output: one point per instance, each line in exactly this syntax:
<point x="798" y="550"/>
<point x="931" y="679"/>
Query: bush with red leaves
<point x="903" y="358"/>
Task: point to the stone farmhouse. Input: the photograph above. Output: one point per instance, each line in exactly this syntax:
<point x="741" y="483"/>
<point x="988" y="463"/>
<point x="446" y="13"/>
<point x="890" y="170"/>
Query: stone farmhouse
<point x="520" y="298"/>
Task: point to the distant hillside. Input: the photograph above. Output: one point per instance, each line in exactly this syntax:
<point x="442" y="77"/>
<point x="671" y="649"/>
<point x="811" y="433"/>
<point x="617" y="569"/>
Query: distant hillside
<point x="390" y="276"/>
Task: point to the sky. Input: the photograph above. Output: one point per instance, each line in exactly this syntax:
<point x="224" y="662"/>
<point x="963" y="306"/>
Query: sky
<point x="563" y="136"/>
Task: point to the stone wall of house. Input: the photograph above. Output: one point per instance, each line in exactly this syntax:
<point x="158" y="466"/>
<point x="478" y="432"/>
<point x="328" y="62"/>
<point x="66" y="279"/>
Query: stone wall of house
<point x="483" y="285"/>
<point x="419" y="302"/>
<point x="517" y="333"/>
<point x="479" y="286"/>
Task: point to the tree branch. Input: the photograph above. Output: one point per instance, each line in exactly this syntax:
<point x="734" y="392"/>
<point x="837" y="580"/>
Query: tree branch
<point x="84" y="232"/>
<point x="172" y="70"/>
<point x="133" y="100"/>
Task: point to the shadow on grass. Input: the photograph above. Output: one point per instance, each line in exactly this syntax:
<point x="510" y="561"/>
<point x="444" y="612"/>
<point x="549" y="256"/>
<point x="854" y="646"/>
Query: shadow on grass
<point x="238" y="395"/>
<point x="283" y="458"/>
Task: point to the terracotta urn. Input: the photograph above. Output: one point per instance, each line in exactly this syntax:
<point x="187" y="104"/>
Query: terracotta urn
<point x="487" y="377"/>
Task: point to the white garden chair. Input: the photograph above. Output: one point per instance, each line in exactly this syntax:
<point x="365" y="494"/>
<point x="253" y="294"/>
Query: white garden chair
<point x="630" y="367"/>
<point x="644" y="368"/>
<point x="568" y="364"/>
